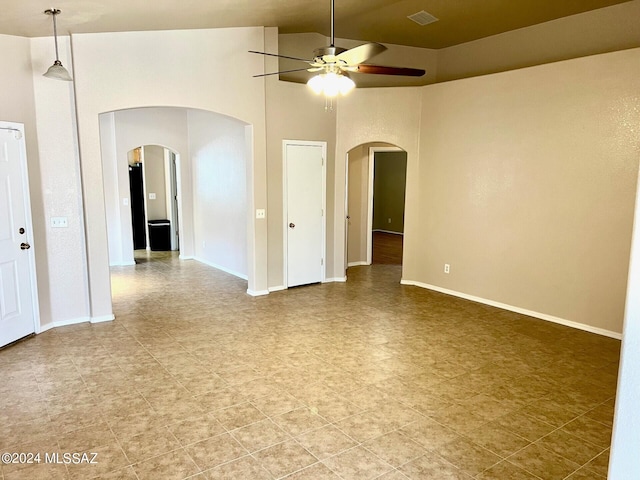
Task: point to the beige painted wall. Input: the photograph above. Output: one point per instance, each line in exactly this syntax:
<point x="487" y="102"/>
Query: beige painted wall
<point x="219" y="161"/>
<point x="293" y="113"/>
<point x="528" y="187"/>
<point x="390" y="177"/>
<point x="17" y="105"/>
<point x="390" y="115"/>
<point x="46" y="109"/>
<point x="358" y="196"/>
<point x="166" y="68"/>
<point x="155" y="182"/>
<point x="524" y="184"/>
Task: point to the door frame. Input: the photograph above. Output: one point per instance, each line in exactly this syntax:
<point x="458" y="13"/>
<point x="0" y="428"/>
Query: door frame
<point x="18" y="129"/>
<point x="372" y="158"/>
<point x="285" y="212"/>
<point x="171" y="160"/>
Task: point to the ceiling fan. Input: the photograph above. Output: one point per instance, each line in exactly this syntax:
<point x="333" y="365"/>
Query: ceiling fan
<point x="334" y="64"/>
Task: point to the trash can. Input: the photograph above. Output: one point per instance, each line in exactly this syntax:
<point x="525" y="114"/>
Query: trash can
<point x="159" y="235"/>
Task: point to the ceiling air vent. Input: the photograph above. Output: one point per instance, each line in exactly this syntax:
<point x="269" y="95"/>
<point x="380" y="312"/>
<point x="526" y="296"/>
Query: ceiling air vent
<point x="422" y="18"/>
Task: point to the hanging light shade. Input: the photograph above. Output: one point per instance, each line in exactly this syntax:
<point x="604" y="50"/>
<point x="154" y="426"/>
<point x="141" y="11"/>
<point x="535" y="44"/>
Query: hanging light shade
<point x="56" y="71"/>
<point x="331" y="84"/>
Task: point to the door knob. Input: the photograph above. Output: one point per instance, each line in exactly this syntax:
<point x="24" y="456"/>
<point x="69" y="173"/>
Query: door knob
<point x="25" y="246"/>
<point x="292" y="225"/>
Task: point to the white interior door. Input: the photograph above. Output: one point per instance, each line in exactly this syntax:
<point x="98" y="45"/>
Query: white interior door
<point x="17" y="309"/>
<point x="304" y="216"/>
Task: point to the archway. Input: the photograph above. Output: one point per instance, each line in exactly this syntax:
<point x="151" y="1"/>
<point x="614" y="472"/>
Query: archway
<point x="376" y="184"/>
<point x="212" y="158"/>
<point x="154" y="199"/>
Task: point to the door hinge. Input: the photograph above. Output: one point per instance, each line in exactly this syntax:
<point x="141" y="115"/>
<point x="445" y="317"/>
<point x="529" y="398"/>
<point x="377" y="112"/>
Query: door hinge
<point x="322" y="261"/>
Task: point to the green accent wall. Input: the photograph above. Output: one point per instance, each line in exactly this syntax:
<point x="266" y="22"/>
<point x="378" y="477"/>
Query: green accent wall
<point x="389" y="183"/>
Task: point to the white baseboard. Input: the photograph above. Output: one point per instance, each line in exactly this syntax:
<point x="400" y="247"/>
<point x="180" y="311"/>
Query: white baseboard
<point x="277" y="289"/>
<point x="220" y="267"/>
<point x="185" y="257"/>
<point x="335" y="279"/>
<point x="103" y="318"/>
<point x="523" y="311"/>
<point x="257" y="293"/>
<point x="44" y="328"/>
<point x="74" y="321"/>
<point x="388" y="231"/>
<point x="122" y="264"/>
<point x="357" y="264"/>
<point x="71" y="321"/>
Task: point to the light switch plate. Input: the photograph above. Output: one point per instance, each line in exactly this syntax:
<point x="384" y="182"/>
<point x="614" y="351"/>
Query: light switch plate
<point x="152" y="196"/>
<point x="261" y="213"/>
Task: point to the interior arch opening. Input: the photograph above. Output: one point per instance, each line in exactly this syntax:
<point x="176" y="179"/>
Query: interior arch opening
<point x="376" y="189"/>
<point x="175" y="187"/>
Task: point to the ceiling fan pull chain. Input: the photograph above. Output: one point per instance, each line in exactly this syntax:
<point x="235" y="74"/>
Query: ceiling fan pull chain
<point x="328" y="104"/>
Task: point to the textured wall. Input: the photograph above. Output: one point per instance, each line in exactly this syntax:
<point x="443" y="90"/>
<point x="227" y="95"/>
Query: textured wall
<point x="293" y="113"/>
<point x="60" y="187"/>
<point x="219" y="159"/>
<point x="166" y="68"/>
<point x="528" y="186"/>
<point x="390" y="115"/>
<point x="358" y="197"/>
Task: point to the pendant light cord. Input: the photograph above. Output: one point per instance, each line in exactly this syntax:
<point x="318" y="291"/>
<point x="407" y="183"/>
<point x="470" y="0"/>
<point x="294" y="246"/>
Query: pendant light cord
<point x="55" y="34"/>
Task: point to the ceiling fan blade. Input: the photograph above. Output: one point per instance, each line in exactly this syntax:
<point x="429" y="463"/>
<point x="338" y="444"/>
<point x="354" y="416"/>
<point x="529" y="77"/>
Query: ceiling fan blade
<point x="280" y="56"/>
<point x="282" y="71"/>
<point x="383" y="70"/>
<point x="360" y="54"/>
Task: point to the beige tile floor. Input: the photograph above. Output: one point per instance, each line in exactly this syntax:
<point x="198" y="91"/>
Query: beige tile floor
<point x="368" y="379"/>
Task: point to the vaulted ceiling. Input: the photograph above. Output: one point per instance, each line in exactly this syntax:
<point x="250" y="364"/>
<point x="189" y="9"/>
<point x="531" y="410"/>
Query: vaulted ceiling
<point x="382" y="21"/>
<point x="470" y="37"/>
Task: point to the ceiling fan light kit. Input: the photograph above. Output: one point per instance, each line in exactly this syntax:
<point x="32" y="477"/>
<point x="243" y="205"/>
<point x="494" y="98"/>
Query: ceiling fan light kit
<point x="56" y="71"/>
<point x="331" y="84"/>
<point x="332" y="66"/>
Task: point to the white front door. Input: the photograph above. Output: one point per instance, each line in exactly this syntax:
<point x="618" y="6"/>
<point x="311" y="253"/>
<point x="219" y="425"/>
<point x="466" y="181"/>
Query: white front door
<point x="304" y="216"/>
<point x="17" y="310"/>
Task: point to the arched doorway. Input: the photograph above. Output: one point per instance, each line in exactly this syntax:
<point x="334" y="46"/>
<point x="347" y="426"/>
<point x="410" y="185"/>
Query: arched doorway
<point x="212" y="157"/>
<point x="154" y="200"/>
<point x="376" y="185"/>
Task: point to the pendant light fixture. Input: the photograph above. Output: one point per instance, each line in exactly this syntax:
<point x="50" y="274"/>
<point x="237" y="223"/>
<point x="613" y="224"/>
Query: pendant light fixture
<point x="56" y="71"/>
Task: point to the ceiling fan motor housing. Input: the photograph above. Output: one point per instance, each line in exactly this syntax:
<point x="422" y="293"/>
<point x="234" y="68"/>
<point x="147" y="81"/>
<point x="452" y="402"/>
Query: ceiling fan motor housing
<point x="330" y="51"/>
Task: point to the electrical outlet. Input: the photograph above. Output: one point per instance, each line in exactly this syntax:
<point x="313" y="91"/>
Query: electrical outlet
<point x="59" y="222"/>
<point x="447" y="268"/>
<point x="389" y="220"/>
<point x="261" y="213"/>
<point x="152" y="196"/>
